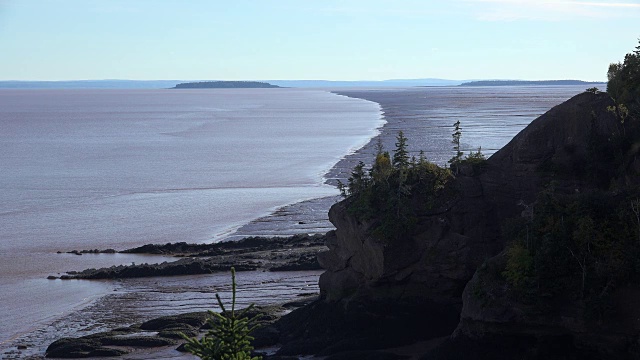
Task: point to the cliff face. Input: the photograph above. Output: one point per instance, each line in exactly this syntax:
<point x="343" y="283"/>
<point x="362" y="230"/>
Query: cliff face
<point x="433" y="268"/>
<point x="494" y="325"/>
<point x="559" y="146"/>
<point x="566" y="146"/>
<point x="433" y="263"/>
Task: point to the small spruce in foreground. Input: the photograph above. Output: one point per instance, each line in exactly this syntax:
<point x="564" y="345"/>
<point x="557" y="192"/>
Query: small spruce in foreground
<point x="229" y="337"/>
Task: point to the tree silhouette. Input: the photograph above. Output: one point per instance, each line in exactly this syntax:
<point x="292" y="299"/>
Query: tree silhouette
<point x="400" y="154"/>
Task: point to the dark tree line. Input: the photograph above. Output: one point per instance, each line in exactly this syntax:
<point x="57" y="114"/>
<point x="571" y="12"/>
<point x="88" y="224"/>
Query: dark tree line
<point x="624" y="83"/>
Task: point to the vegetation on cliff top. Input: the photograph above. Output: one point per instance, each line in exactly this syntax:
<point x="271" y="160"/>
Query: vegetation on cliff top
<point x="387" y="192"/>
<point x="624" y="82"/>
<point x="397" y="189"/>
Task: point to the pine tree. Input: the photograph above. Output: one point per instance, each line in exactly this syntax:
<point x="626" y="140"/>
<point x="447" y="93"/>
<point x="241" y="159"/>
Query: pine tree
<point x="400" y="154"/>
<point x="457" y="134"/>
<point x="422" y="159"/>
<point x="358" y="180"/>
<point x="229" y="337"/>
<point x="379" y="146"/>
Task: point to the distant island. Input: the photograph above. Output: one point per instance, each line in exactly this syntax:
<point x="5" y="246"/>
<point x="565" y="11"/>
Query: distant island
<point x="527" y="82"/>
<point x="225" y="85"/>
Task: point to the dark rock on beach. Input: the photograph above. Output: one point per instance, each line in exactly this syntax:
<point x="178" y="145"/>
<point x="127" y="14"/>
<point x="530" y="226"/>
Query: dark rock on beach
<point x="196" y="319"/>
<point x="292" y="253"/>
<point x="366" y="355"/>
<point x="94" y="251"/>
<point x="161" y="333"/>
<point x="80" y="348"/>
<point x="180" y="267"/>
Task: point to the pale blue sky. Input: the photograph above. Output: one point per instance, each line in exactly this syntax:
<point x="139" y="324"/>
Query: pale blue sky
<point x="309" y="39"/>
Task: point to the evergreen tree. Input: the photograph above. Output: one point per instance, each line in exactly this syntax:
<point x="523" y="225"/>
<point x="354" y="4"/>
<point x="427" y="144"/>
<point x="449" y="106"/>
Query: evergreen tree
<point x="422" y="159"/>
<point x="457" y="134"/>
<point x="379" y="146"/>
<point x="229" y="337"/>
<point x="358" y="180"/>
<point x="400" y="154"/>
<point x="624" y="82"/>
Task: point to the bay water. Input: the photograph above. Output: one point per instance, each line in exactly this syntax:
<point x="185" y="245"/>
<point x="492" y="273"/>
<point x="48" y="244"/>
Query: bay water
<point x="99" y="169"/>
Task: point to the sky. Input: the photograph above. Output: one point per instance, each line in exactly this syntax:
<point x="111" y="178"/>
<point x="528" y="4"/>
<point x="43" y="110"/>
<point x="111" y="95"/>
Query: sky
<point x="314" y="39"/>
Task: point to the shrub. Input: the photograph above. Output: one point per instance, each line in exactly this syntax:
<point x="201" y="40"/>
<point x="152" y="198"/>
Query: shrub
<point x="519" y="269"/>
<point x="229" y="337"/>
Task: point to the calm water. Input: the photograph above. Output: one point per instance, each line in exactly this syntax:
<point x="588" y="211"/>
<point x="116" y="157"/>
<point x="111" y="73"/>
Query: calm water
<point x="121" y="168"/>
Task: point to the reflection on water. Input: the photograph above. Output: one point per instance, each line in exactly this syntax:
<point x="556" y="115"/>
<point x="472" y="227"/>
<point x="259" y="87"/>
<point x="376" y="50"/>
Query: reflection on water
<point x="29" y="301"/>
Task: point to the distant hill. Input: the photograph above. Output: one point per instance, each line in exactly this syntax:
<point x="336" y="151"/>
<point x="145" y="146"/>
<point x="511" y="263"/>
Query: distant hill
<point x="225" y="85"/>
<point x="365" y="83"/>
<point x="527" y="83"/>
<point x="89" y="84"/>
<point x="165" y="84"/>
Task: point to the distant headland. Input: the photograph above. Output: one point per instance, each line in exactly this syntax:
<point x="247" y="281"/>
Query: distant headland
<point x="225" y="85"/>
<point x="527" y="83"/>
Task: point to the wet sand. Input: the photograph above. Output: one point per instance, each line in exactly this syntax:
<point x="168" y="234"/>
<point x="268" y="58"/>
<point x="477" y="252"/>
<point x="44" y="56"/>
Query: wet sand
<point x="136" y="300"/>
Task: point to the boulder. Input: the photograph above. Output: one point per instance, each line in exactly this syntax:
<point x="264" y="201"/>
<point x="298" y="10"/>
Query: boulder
<point x="67" y="348"/>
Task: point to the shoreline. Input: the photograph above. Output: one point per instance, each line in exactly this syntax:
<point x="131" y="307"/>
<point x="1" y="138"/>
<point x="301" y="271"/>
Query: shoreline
<point x="292" y="219"/>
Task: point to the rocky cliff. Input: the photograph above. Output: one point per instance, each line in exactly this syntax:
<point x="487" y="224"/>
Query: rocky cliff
<point x="446" y="273"/>
<point x="571" y="146"/>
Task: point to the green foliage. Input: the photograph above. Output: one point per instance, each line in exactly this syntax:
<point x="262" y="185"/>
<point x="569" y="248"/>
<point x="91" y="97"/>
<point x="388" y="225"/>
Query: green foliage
<point x="400" y="154"/>
<point x="577" y="246"/>
<point x="393" y="194"/>
<point x="593" y="90"/>
<point x="229" y="337"/>
<point x="519" y="269"/>
<point x="476" y="159"/>
<point x="457" y="158"/>
<point x="624" y="82"/>
<point x="382" y="168"/>
<point x="620" y="111"/>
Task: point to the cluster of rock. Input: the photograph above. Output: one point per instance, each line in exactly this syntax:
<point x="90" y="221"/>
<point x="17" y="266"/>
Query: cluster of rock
<point x="93" y="251"/>
<point x="164" y="333"/>
<point x="294" y="253"/>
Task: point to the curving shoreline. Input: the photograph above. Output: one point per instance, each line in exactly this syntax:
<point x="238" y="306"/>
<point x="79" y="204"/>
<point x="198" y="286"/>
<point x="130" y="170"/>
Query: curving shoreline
<point x="310" y="216"/>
